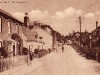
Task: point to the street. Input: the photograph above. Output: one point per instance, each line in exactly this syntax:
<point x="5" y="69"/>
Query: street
<point x="50" y="37"/>
<point x="67" y="63"/>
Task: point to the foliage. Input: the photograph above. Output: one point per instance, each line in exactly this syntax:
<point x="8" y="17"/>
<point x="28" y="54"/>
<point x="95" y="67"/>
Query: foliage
<point x="16" y="37"/>
<point x="3" y="52"/>
<point x="25" y="51"/>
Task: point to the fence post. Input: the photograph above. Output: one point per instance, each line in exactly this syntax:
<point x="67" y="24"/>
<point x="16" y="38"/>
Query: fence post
<point x="98" y="56"/>
<point x="1" y="65"/>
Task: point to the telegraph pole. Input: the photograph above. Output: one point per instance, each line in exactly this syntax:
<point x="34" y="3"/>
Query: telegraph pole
<point x="80" y="29"/>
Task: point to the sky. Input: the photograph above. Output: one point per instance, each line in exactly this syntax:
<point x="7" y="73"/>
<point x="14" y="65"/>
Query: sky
<point x="61" y="15"/>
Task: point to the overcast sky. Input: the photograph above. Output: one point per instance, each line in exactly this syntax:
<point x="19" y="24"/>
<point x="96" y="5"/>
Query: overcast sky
<point x="62" y="15"/>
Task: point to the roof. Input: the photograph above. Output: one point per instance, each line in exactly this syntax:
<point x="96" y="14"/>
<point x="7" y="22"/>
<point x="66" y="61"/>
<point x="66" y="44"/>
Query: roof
<point x="42" y="26"/>
<point x="30" y="35"/>
<point x="98" y="28"/>
<point x="2" y="12"/>
<point x="76" y="33"/>
<point x="9" y="39"/>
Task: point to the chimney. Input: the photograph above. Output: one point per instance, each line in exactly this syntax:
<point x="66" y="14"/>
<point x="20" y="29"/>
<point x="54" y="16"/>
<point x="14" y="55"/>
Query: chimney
<point x="73" y="31"/>
<point x="96" y="24"/>
<point x="26" y="20"/>
<point x="85" y="30"/>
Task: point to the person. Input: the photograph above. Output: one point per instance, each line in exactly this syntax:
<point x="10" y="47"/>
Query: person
<point x="49" y="50"/>
<point x="30" y="56"/>
<point x="62" y="48"/>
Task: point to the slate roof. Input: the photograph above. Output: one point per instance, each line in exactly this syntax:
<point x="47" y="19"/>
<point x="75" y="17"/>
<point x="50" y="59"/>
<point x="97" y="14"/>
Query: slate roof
<point x="6" y="14"/>
<point x="30" y="35"/>
<point x="43" y="26"/>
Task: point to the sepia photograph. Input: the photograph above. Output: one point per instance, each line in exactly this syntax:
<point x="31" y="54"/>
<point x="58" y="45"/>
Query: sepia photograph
<point x="49" y="37"/>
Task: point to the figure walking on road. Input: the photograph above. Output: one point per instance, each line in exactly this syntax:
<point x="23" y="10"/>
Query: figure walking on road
<point x="30" y="57"/>
<point x="62" y="48"/>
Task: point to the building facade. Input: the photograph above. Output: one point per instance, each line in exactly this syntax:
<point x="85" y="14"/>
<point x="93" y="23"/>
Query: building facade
<point x="36" y="35"/>
<point x="14" y="34"/>
<point x="10" y="29"/>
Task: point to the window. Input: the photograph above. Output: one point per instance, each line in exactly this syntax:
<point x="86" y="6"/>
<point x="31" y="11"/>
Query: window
<point x="0" y="24"/>
<point x="0" y="44"/>
<point x="95" y="33"/>
<point x="41" y="38"/>
<point x="9" y="27"/>
<point x="99" y="32"/>
<point x="17" y="28"/>
<point x="30" y="47"/>
<point x="36" y="36"/>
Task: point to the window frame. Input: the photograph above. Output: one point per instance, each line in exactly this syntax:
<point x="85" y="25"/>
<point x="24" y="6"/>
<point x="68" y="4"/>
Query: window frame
<point x="30" y="47"/>
<point x="9" y="26"/>
<point x="17" y="28"/>
<point x="1" y="43"/>
<point x="1" y="24"/>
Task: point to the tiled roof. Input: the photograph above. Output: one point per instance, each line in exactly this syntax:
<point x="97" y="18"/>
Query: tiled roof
<point x="9" y="15"/>
<point x="30" y="35"/>
<point x="42" y="26"/>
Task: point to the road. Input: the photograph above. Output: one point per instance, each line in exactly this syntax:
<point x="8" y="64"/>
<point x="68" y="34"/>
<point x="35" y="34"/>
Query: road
<point x="67" y="63"/>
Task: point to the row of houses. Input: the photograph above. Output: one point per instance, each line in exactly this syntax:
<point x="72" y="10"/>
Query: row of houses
<point x="88" y="42"/>
<point x="16" y="35"/>
<point x="86" y="36"/>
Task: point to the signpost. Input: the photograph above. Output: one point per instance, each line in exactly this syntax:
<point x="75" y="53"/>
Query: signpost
<point x="90" y="37"/>
<point x="80" y="30"/>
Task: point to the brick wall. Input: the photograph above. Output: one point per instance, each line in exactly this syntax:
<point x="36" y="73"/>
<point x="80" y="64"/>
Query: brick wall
<point x="4" y="34"/>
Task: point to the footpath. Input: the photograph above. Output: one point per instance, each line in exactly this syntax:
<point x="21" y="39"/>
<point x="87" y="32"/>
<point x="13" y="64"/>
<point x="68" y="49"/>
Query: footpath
<point x="25" y="68"/>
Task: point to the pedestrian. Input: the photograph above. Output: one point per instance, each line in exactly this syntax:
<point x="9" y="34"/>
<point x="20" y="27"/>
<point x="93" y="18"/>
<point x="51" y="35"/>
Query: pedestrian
<point x="62" y="48"/>
<point x="30" y="56"/>
<point x="56" y="49"/>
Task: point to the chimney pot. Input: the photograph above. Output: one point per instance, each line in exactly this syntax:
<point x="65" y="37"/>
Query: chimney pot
<point x="26" y="20"/>
<point x="26" y="14"/>
<point x="96" y="24"/>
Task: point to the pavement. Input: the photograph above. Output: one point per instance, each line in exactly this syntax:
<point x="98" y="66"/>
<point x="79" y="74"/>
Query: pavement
<point x="24" y="68"/>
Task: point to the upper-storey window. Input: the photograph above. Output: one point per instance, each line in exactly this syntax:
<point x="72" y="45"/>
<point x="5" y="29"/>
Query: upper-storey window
<point x="17" y="28"/>
<point x="0" y="24"/>
<point x="9" y="27"/>
<point x="99" y="32"/>
<point x="0" y="44"/>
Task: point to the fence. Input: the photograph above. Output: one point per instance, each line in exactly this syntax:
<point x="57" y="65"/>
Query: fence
<point x="11" y="62"/>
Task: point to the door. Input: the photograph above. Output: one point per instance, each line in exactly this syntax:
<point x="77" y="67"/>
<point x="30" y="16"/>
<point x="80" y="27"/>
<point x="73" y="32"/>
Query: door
<point x="14" y="52"/>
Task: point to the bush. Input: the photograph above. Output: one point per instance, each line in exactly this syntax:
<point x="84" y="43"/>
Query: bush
<point x="36" y="51"/>
<point x="3" y="52"/>
<point x="25" y="51"/>
<point x="49" y="50"/>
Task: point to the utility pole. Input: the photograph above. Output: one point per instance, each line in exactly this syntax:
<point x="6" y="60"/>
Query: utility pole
<point x="80" y="29"/>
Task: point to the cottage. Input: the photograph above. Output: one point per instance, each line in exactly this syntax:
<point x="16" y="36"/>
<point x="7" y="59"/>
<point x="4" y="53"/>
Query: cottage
<point x="46" y="38"/>
<point x="30" y="40"/>
<point x="36" y="35"/>
<point x="36" y="39"/>
<point x="76" y="38"/>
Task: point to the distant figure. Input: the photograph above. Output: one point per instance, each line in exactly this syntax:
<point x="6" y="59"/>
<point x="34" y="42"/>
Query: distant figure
<point x="56" y="49"/>
<point x="30" y="56"/>
<point x="49" y="50"/>
<point x="62" y="48"/>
